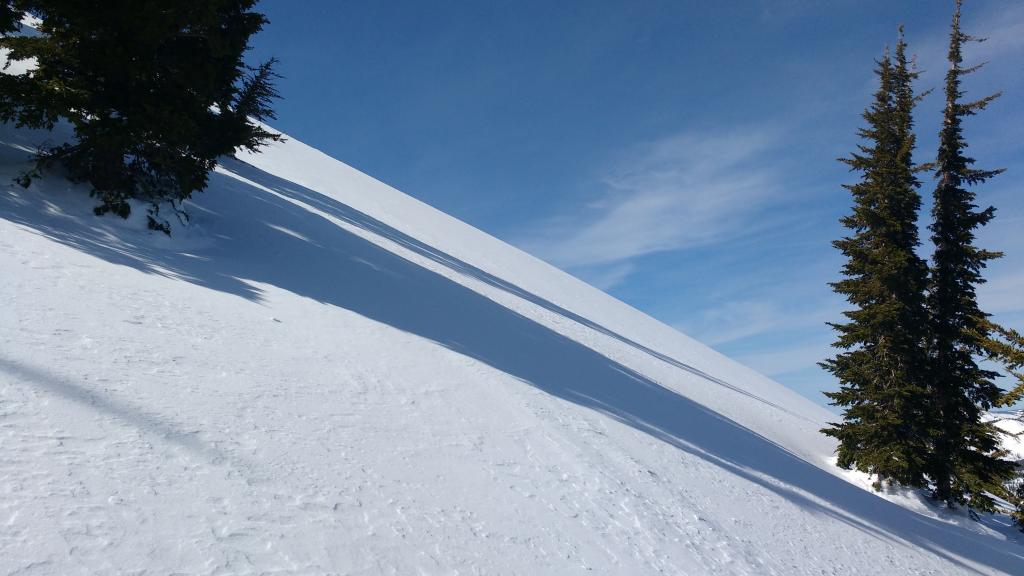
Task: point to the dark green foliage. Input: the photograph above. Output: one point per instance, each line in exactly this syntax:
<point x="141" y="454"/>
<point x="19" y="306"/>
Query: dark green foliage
<point x="9" y="17"/>
<point x="881" y="369"/>
<point x="966" y="463"/>
<point x="1006" y="347"/>
<point x="1018" y="498"/>
<point x="156" y="92"/>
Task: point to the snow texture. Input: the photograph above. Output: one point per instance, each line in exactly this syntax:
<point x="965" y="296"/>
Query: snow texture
<point x="322" y="375"/>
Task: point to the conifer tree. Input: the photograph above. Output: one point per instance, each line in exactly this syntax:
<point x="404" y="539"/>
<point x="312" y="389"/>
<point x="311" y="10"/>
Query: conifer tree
<point x="9" y="17"/>
<point x="1016" y="489"/>
<point x="1005" y="346"/>
<point x="884" y="357"/>
<point x="156" y="91"/>
<point x="965" y="461"/>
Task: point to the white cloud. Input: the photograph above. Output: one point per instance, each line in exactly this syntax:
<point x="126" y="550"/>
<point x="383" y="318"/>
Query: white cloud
<point x="787" y="360"/>
<point x="607" y="277"/>
<point x="738" y="320"/>
<point x="742" y="319"/>
<point x="675" y="193"/>
<point x="1003" y="31"/>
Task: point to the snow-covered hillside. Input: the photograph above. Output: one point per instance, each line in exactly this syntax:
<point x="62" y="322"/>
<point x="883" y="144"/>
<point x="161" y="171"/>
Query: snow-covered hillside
<point x="1012" y="424"/>
<point x="322" y="375"/>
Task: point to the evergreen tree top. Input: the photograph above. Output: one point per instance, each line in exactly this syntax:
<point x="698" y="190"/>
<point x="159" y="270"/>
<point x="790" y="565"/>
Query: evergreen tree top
<point x="156" y="91"/>
<point x="883" y="361"/>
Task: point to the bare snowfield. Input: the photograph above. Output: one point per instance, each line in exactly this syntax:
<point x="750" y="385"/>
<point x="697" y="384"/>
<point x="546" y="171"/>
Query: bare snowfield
<point x="322" y="375"/>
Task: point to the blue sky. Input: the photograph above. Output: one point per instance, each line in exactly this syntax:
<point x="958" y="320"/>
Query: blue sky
<point x="678" y="154"/>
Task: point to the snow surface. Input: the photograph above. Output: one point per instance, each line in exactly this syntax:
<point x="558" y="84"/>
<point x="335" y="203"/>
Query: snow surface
<point x="19" y="67"/>
<point x="1011" y="422"/>
<point x="322" y="375"/>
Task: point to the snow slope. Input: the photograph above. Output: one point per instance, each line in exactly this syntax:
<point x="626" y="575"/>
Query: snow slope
<point x="322" y="375"/>
<point x="1011" y="422"/>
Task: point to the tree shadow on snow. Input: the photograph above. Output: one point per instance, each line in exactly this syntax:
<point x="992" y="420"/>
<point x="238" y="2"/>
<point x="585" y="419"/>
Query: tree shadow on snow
<point x="273" y="237"/>
<point x="121" y="410"/>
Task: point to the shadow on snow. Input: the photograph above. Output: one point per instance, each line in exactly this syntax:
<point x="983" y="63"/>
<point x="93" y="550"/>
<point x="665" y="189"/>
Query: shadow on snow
<point x="274" y="238"/>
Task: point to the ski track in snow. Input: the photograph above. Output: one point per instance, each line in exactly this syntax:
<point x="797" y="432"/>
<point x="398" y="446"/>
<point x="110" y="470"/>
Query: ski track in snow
<point x="323" y="376"/>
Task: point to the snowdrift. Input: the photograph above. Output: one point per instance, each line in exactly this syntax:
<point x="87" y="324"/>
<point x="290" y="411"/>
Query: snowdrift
<point x="320" y="374"/>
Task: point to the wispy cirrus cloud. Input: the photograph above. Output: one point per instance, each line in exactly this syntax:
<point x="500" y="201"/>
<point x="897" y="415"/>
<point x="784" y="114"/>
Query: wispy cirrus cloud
<point x="1002" y="31"/>
<point x="680" y="192"/>
<point x="607" y="277"/>
<point x="788" y="359"/>
<point x="736" y="320"/>
<point x="739" y="320"/>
